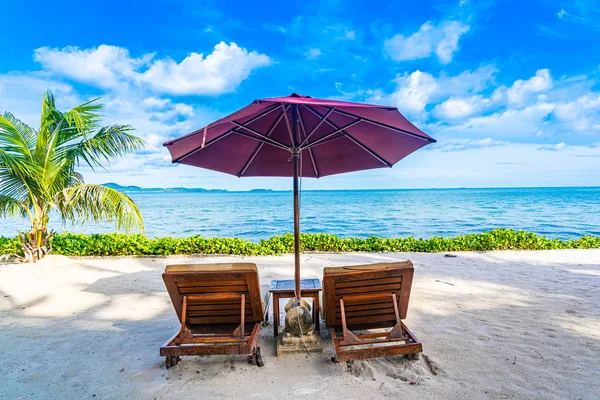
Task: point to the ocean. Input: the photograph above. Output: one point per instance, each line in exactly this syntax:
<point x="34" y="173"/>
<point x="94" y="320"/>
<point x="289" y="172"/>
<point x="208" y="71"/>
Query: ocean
<point x="555" y="212"/>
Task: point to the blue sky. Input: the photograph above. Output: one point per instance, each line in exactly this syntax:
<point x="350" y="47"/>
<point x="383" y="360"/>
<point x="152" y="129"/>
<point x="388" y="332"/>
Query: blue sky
<point x="509" y="89"/>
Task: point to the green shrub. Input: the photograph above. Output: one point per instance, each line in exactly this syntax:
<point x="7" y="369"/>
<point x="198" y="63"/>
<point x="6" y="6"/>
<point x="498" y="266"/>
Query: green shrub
<point x="10" y="246"/>
<point x="118" y="244"/>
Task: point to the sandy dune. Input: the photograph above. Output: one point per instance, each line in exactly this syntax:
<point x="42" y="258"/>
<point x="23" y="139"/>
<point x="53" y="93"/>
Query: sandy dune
<point x="498" y="325"/>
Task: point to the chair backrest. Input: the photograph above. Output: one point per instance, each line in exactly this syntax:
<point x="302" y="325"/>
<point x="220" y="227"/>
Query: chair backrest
<point x="367" y="279"/>
<point x="199" y="279"/>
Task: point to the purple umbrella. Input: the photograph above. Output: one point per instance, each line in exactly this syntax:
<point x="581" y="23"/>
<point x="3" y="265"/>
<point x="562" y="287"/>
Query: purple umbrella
<point x="300" y="136"/>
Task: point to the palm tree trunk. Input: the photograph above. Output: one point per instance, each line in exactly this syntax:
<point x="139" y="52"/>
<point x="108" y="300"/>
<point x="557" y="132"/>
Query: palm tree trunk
<point x="35" y="243"/>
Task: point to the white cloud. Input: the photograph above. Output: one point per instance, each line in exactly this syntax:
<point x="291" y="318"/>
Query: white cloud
<point x="313" y="53"/>
<point x="221" y="71"/>
<point x="517" y="124"/>
<point x="104" y="66"/>
<point x="412" y="93"/>
<point x="535" y="109"/>
<point x="441" y="40"/>
<point x="178" y="110"/>
<point x="415" y="91"/>
<point x="525" y="91"/>
<point x="467" y="82"/>
<point x="521" y="89"/>
<point x="466" y="144"/>
<point x="165" y="109"/>
<point x="557" y="147"/>
<point x="153" y="102"/>
<point x="459" y="107"/>
<point x="581" y="114"/>
<point x="561" y="13"/>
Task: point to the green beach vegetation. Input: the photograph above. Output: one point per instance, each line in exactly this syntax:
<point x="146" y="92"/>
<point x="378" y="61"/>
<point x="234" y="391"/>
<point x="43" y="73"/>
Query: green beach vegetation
<point x="38" y="174"/>
<point x="117" y="244"/>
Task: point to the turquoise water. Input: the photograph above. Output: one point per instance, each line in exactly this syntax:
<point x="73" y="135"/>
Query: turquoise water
<point x="555" y="212"/>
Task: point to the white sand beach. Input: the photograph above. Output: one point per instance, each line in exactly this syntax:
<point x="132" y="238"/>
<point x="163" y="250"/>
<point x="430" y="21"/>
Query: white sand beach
<point x="497" y="325"/>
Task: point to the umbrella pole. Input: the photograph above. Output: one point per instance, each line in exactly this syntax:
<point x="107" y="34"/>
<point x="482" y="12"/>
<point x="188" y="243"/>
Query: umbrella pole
<point x="295" y="160"/>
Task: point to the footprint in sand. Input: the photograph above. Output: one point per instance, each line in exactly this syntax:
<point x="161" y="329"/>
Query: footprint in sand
<point x="400" y="368"/>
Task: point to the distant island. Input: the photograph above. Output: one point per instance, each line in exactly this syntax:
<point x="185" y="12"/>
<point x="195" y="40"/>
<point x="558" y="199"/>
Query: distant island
<point x="137" y="189"/>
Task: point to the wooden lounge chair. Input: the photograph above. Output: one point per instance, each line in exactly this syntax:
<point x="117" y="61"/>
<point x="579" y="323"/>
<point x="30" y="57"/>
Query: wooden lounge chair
<point x="220" y="310"/>
<point x="365" y="297"/>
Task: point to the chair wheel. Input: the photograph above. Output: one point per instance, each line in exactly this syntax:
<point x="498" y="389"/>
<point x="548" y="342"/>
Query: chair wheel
<point x="413" y="356"/>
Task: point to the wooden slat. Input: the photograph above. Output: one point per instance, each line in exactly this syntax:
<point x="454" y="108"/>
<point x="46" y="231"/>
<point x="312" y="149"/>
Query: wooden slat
<point x="352" y="314"/>
<point x="370" y="282"/>
<point x="352" y="302"/>
<point x="224" y="302"/>
<point x="369" y="289"/>
<point x="364" y="274"/>
<point x="371" y="319"/>
<point x="215" y="307"/>
<point x="214" y="320"/>
<point x="216" y="313"/>
<point x="213" y="289"/>
<point x="212" y="283"/>
<point x="368" y="306"/>
<point x="219" y="329"/>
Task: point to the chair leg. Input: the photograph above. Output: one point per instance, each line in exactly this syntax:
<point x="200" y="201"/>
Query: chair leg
<point x="171" y="361"/>
<point x="256" y="358"/>
<point x="260" y="361"/>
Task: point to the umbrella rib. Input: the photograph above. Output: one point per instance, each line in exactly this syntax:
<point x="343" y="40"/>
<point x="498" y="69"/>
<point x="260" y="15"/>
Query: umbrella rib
<point x="316" y="127"/>
<point x="269" y="141"/>
<point x="368" y="150"/>
<point x="197" y="149"/>
<point x="329" y="135"/>
<point x="242" y="126"/>
<point x="223" y="135"/>
<point x="289" y="127"/>
<point x="312" y="158"/>
<point x="357" y="142"/>
<point x="267" y="111"/>
<point x="337" y="130"/>
<point x="331" y="139"/>
<point x="393" y="128"/>
<point x="260" y="146"/>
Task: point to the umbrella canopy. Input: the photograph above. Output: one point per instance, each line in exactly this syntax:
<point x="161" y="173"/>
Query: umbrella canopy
<point x="300" y="136"/>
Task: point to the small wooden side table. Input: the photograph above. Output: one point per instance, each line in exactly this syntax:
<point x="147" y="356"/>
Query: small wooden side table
<point x="284" y="289"/>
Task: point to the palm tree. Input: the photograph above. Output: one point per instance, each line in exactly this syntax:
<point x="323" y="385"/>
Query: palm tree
<point x="38" y="171"/>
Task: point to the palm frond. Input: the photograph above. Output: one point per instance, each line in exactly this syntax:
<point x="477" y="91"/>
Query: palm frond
<point x="16" y="136"/>
<point x="10" y="207"/>
<point x="13" y="187"/>
<point x="85" y="117"/>
<point x="18" y="176"/>
<point x="52" y="123"/>
<point x="97" y="203"/>
<point x="108" y="143"/>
